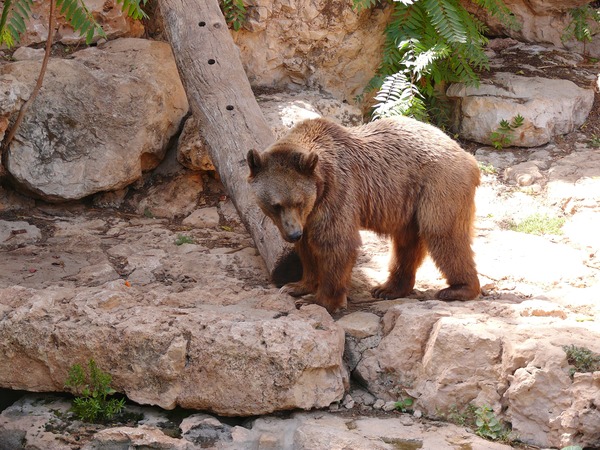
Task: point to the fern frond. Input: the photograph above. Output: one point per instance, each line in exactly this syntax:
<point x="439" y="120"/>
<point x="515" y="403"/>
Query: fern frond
<point x="80" y="19"/>
<point x="15" y="14"/>
<point x="133" y="8"/>
<point x="499" y="10"/>
<point x="447" y="20"/>
<point x="398" y="96"/>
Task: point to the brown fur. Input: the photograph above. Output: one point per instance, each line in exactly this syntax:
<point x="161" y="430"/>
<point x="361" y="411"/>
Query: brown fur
<point x="399" y="177"/>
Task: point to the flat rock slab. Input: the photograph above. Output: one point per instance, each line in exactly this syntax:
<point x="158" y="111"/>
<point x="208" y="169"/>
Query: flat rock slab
<point x="33" y="422"/>
<point x="156" y="317"/>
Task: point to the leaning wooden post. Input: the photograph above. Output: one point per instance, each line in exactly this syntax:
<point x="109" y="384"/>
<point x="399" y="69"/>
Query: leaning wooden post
<point x="230" y="119"/>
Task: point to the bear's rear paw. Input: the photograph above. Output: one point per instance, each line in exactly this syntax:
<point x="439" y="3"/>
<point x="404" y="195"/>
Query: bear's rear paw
<point x="330" y="307"/>
<point x="459" y="292"/>
<point x="388" y="291"/>
<point x="297" y="289"/>
<point x="300" y="302"/>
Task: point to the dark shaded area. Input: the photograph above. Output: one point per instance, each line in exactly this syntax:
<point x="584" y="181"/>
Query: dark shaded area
<point x="8" y="397"/>
<point x="287" y="270"/>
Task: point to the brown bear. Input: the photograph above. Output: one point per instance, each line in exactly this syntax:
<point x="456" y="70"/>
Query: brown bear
<point x="323" y="182"/>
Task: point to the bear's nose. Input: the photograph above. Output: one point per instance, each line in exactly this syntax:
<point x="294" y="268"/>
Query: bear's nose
<point x="295" y="236"/>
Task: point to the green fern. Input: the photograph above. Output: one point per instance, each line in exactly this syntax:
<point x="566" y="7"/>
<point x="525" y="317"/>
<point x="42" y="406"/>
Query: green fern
<point x="431" y="42"/>
<point x="15" y="13"/>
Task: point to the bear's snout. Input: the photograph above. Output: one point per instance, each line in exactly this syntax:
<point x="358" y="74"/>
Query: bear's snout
<point x="294" y="236"/>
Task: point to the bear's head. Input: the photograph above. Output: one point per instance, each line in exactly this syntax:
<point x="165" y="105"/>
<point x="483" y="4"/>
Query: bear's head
<point x="285" y="184"/>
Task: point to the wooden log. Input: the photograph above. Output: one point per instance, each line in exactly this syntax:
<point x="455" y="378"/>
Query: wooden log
<point x="229" y="117"/>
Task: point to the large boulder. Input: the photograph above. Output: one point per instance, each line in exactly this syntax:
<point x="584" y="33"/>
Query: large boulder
<point x="550" y="107"/>
<point x="174" y="321"/>
<point x="100" y="119"/>
<point x="507" y="356"/>
<point x="320" y="43"/>
<point x="240" y="360"/>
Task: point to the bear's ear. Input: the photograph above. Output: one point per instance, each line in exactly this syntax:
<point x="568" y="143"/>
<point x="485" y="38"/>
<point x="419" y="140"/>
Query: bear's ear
<point x="308" y="163"/>
<point x="254" y="162"/>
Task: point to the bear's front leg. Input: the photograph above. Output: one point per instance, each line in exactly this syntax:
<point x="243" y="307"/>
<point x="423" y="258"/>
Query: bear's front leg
<point x="335" y="262"/>
<point x="309" y="282"/>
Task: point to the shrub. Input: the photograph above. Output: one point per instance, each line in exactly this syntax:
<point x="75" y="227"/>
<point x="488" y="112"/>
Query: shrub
<point x="92" y="389"/>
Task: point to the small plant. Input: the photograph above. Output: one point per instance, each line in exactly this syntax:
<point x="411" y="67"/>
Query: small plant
<point x="183" y="239"/>
<point x="234" y="12"/>
<point x="539" y="224"/>
<point x="594" y="141"/>
<point x="404" y="404"/>
<point x="488" y="425"/>
<point x="487" y="168"/>
<point x="466" y="417"/>
<point x="92" y="390"/>
<point x="582" y="359"/>
<point x="585" y="22"/>
<point x="504" y="134"/>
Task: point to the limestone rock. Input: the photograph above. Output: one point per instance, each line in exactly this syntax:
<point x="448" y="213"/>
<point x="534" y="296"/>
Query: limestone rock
<point x="319" y="43"/>
<point x="101" y="119"/>
<point x="524" y="174"/>
<point x="284" y="110"/>
<point x="191" y="149"/>
<point x="176" y="197"/>
<point x="573" y="182"/>
<point x="550" y="107"/>
<point x="108" y="14"/>
<point x="485" y="355"/>
<point x="13" y="93"/>
<point x="540" y="21"/>
<point x="17" y="233"/>
<point x="36" y="423"/>
<point x="141" y="437"/>
<point x="283" y="362"/>
<point x="25" y="53"/>
<point x="360" y="324"/>
<point x="203" y="218"/>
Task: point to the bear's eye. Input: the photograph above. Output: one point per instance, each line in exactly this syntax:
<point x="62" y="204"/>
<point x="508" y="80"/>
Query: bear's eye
<point x="276" y="208"/>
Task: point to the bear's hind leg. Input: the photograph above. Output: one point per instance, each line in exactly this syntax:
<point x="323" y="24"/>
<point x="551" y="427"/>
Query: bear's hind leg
<point x="454" y="257"/>
<point x="408" y="252"/>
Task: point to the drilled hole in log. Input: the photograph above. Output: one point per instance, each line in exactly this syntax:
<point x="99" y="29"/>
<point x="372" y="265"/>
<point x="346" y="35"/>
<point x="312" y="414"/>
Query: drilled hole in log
<point x="217" y="25"/>
<point x="229" y="107"/>
<point x="202" y="24"/>
<point x="211" y="61"/>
